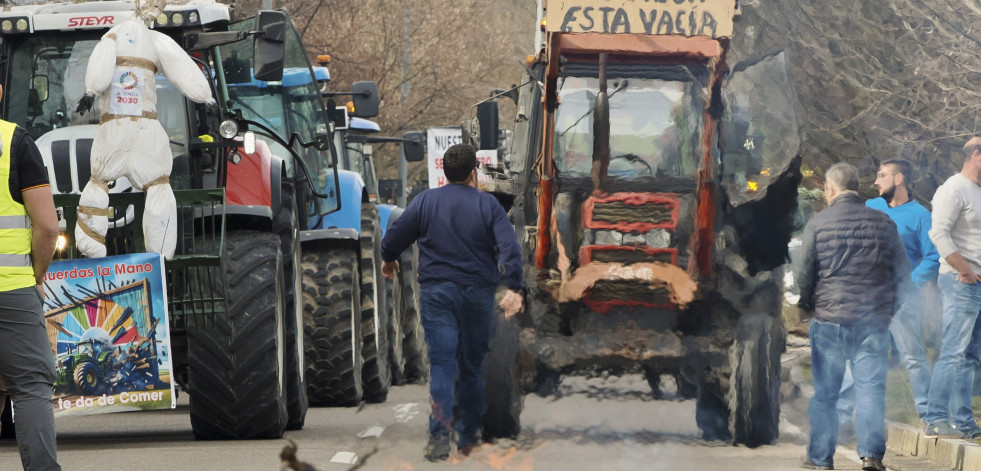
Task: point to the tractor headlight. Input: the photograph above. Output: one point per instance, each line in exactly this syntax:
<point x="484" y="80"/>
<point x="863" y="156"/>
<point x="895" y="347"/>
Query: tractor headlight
<point x="22" y="25"/>
<point x="162" y="19"/>
<point x="61" y="242"/>
<point x="7" y="26"/>
<point x="177" y="19"/>
<point x="193" y="17"/>
<point x="228" y="129"/>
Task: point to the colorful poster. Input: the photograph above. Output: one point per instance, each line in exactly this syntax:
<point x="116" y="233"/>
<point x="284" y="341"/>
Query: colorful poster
<point x="107" y="323"/>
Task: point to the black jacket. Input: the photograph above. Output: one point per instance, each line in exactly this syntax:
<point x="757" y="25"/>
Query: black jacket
<point x="854" y="266"/>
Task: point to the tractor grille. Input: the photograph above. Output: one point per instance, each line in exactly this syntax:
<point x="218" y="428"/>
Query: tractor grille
<point x="628" y="257"/>
<point x="630" y="292"/>
<point x="614" y="212"/>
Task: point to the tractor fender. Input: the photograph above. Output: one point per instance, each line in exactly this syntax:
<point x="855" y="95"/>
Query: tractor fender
<point x="352" y="194"/>
<point x="323" y="239"/>
<point x="387" y="214"/>
<point x="256" y="179"/>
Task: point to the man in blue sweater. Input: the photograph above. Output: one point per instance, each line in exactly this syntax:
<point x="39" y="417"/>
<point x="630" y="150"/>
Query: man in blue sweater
<point x="913" y="222"/>
<point x="462" y="235"/>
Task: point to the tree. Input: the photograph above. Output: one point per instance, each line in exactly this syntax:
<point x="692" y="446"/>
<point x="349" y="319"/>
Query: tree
<point x="457" y="52"/>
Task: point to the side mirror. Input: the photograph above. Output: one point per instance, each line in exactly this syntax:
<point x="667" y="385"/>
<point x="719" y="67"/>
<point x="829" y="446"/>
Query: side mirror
<point x="39" y="85"/>
<point x="413" y="146"/>
<point x="322" y="138"/>
<point x="270" y="46"/>
<point x="365" y="99"/>
<point x="487" y="123"/>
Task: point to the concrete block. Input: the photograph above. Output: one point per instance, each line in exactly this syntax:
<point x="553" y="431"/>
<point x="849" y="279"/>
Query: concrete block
<point x="950" y="453"/>
<point x="902" y="438"/>
<point x="972" y="457"/>
<point x="927" y="448"/>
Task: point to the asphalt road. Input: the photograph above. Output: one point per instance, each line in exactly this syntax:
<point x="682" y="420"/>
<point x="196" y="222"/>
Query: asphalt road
<point x="596" y="424"/>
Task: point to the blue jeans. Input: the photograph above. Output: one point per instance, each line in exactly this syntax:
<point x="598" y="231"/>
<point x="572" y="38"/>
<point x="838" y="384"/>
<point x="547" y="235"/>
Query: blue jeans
<point x="953" y="375"/>
<point x="458" y="321"/>
<point x="867" y="348"/>
<point x="907" y="331"/>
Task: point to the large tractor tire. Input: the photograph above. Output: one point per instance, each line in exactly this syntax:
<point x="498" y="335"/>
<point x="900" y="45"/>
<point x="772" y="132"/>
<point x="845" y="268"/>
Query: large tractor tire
<point x="286" y="226"/>
<point x="747" y="391"/>
<point x="502" y="393"/>
<point x="377" y="375"/>
<point x="236" y="364"/>
<point x="414" y="347"/>
<point x="7" y="430"/>
<point x="395" y="307"/>
<point x="332" y="327"/>
<point x="88" y="379"/>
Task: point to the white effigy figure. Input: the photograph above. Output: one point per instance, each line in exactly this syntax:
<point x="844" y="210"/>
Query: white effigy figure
<point x="130" y="141"/>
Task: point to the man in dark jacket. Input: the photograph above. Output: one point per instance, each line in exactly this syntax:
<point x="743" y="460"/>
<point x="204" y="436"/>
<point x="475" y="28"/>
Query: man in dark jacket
<point x="463" y="234"/>
<point x="852" y="276"/>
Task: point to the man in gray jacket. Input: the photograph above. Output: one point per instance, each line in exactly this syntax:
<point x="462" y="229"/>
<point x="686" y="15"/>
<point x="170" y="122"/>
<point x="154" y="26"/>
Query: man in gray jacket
<point x="852" y="276"/>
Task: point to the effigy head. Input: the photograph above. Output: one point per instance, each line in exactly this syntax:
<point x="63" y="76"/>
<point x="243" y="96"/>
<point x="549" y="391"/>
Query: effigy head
<point x="148" y="10"/>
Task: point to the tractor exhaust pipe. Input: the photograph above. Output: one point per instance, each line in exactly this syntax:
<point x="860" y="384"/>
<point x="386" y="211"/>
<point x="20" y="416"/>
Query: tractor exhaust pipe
<point x="601" y="132"/>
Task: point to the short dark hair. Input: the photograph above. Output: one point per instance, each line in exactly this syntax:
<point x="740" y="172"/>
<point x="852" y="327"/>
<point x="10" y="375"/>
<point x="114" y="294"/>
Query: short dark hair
<point x="458" y="161"/>
<point x="902" y="167"/>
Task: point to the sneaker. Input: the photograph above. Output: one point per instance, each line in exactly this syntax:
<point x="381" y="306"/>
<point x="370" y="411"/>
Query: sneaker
<point x="438" y="448"/>
<point x="970" y="432"/>
<point x="942" y="430"/>
<point x="872" y="464"/>
<point x="806" y="463"/>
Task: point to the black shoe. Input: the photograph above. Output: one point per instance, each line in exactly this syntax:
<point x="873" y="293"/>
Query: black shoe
<point x="438" y="448"/>
<point x="872" y="464"/>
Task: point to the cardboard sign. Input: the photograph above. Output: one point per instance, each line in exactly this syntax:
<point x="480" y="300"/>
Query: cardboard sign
<point x="107" y="323"/>
<point x="441" y="139"/>
<point x="712" y="18"/>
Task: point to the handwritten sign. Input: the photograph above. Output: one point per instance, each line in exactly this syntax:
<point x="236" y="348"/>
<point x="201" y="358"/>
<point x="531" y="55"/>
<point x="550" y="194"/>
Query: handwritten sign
<point x="712" y="18"/>
<point x="441" y="139"/>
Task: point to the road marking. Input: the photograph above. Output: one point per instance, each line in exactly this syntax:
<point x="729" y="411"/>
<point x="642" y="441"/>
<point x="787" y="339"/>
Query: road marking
<point x="345" y="457"/>
<point x="406" y="412"/>
<point x="373" y="431"/>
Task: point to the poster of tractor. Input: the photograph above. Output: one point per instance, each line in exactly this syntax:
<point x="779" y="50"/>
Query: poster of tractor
<point x="107" y="323"/>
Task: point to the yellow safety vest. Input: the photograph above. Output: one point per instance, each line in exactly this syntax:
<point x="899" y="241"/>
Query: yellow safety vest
<point x="16" y="270"/>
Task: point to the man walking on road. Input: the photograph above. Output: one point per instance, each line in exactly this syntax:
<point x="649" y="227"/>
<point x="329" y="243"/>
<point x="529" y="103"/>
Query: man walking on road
<point x="462" y="234"/>
<point x="28" y="230"/>
<point x="957" y="234"/>
<point x="853" y="275"/>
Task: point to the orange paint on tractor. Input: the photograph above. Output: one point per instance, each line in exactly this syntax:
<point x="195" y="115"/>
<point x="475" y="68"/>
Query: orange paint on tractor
<point x="633" y="199"/>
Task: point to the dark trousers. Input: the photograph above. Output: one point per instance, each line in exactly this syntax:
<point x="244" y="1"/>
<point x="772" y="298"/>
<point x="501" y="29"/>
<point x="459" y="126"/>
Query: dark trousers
<point x="458" y="322"/>
<point x="27" y="366"/>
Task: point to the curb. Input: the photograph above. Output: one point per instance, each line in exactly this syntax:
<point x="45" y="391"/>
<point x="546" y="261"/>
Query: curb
<point x="956" y="454"/>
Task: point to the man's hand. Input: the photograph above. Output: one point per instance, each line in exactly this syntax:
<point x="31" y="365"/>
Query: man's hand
<point x="389" y="269"/>
<point x="969" y="277"/>
<point x="40" y="291"/>
<point x="512" y="303"/>
<point x="85" y="103"/>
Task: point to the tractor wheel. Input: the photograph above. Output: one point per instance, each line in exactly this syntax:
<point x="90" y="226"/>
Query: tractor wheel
<point x="754" y="389"/>
<point x="502" y="393"/>
<point x="332" y="327"/>
<point x="747" y="389"/>
<point x="414" y="340"/>
<point x="286" y="225"/>
<point x="396" y="313"/>
<point x="236" y="363"/>
<point x="7" y="430"/>
<point x="376" y="374"/>
<point x="88" y="380"/>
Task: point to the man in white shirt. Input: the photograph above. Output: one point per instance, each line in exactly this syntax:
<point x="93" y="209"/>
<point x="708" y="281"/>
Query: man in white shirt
<point x="957" y="234"/>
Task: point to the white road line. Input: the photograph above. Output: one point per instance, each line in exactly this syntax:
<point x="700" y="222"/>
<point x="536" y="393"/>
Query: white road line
<point x="344" y="457"/>
<point x="372" y="431"/>
<point x="406" y="412"/>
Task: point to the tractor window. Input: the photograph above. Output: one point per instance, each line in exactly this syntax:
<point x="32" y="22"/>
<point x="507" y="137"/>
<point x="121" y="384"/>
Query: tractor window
<point x="654" y="127"/>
